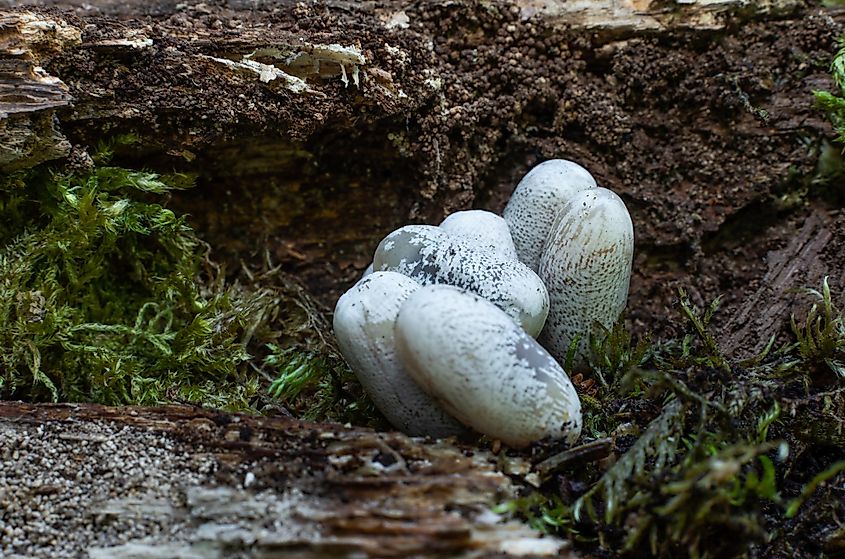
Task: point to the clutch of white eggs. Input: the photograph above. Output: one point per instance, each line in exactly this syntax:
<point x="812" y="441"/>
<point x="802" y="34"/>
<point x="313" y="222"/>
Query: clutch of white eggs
<point x="441" y="334"/>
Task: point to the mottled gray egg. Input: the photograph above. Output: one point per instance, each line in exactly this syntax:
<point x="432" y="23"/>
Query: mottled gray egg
<point x="431" y="255"/>
<point x="537" y="200"/>
<point x="363" y="325"/>
<point x="484" y="369"/>
<point x="586" y="266"/>
<point x="483" y="229"/>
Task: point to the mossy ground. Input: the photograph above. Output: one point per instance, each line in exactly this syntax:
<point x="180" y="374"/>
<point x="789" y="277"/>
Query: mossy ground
<point x="107" y="296"/>
<point x="690" y="453"/>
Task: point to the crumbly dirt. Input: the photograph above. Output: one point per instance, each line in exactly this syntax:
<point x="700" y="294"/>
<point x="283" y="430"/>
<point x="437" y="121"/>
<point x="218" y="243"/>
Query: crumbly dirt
<point x="710" y="137"/>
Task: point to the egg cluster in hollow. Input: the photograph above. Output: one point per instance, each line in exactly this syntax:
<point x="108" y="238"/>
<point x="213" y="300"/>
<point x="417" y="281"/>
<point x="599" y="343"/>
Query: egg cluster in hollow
<point x="441" y="330"/>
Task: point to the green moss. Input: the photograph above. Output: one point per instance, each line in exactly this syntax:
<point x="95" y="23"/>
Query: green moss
<point x="319" y="386"/>
<point x="820" y="338"/>
<point x="833" y="104"/>
<point x="97" y="293"/>
<point x="107" y="296"/>
<point x="828" y="183"/>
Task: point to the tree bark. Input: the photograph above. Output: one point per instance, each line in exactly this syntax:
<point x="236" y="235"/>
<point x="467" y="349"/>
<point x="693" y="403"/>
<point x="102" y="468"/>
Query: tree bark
<point x="805" y="261"/>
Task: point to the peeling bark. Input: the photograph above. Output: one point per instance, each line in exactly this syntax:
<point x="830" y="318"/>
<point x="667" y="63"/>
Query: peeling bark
<point x="29" y="96"/>
<point x="801" y="263"/>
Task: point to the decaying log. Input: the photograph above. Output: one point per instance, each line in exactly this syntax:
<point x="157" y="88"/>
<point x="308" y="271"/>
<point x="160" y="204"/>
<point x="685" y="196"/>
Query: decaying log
<point x="804" y="262"/>
<point x="29" y="96"/>
<point x="182" y="482"/>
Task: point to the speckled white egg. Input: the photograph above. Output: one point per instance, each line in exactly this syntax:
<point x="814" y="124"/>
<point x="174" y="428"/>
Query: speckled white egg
<point x="586" y="266"/>
<point x="431" y="255"/>
<point x="484" y="369"/>
<point x="484" y="230"/>
<point x="537" y="200"/>
<point x="363" y="325"/>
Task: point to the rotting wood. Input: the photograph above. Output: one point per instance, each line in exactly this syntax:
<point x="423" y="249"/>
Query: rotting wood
<point x="251" y="487"/>
<point x="29" y="96"/>
<point x="798" y="265"/>
<point x="612" y="15"/>
<point x="637" y="16"/>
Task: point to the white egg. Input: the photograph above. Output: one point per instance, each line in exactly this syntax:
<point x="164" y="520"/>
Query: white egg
<point x="485" y="370"/>
<point x="537" y="200"/>
<point x="430" y="255"/>
<point x="364" y="324"/>
<point x="586" y="266"/>
<point x="484" y="230"/>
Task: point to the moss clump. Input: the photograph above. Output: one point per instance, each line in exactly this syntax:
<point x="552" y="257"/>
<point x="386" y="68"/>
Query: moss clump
<point x="108" y="296"/>
<point x="830" y="174"/>
<point x="833" y="104"/>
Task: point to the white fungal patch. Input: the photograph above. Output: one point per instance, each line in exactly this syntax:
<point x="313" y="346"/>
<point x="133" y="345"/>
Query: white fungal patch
<point x="363" y="324"/>
<point x="485" y="230"/>
<point x="586" y="266"/>
<point x="484" y="369"/>
<point x="537" y="200"/>
<point x="430" y="255"/>
<point x="266" y="72"/>
<point x="309" y="60"/>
